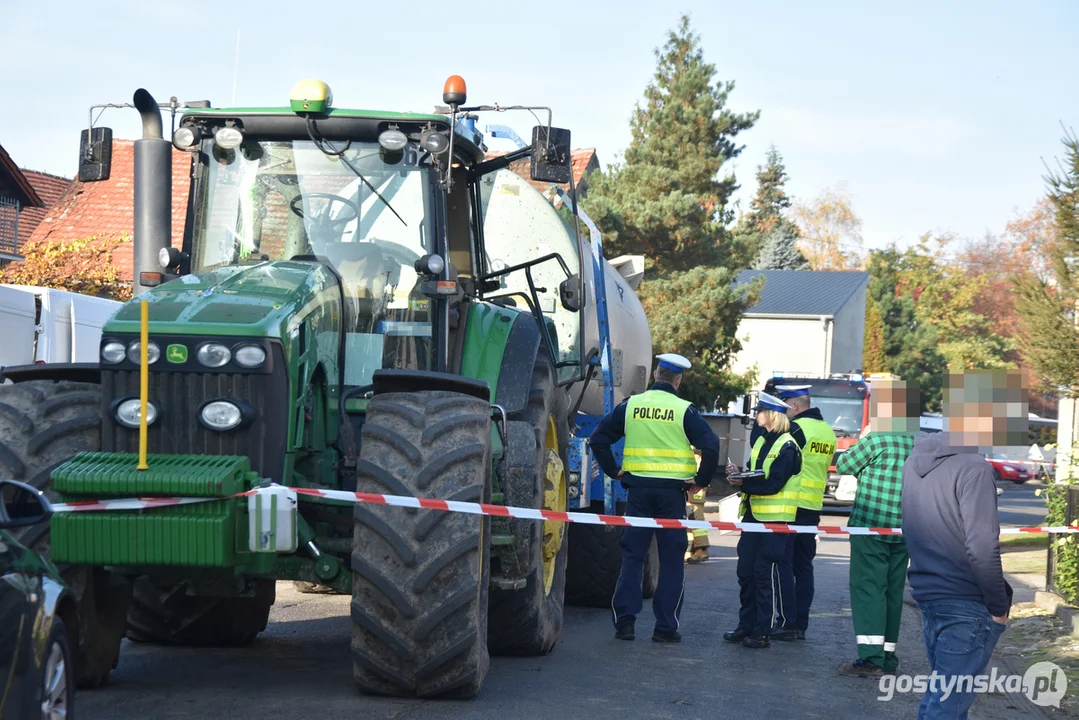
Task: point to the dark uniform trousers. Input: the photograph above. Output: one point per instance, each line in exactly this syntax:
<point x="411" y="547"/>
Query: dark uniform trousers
<point x="667" y="601"/>
<point x="765" y="582"/>
<point x="803" y="550"/>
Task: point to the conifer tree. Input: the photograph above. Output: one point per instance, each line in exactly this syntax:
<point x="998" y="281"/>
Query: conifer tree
<point x="669" y="202"/>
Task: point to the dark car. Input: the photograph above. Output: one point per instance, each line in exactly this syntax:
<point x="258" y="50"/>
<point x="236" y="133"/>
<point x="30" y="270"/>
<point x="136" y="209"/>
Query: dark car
<point x="36" y="660"/>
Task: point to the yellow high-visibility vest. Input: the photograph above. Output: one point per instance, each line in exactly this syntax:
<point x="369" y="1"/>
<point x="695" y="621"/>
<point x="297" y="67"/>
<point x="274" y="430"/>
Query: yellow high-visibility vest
<point x="817" y="456"/>
<point x="783" y="506"/>
<point x="656" y="445"/>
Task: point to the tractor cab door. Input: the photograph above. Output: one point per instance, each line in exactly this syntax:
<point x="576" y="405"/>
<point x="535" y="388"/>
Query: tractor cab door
<point x="530" y="258"/>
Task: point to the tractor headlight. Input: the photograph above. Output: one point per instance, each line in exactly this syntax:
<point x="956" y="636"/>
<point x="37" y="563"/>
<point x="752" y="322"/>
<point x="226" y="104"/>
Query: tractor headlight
<point x="214" y="355"/>
<point x="221" y="415"/>
<point x="250" y="356"/>
<point x="153" y="352"/>
<point x="113" y="353"/>
<point x="129" y="412"/>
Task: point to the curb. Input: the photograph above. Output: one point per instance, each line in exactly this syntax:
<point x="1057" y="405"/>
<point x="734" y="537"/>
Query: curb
<point x="1051" y="602"/>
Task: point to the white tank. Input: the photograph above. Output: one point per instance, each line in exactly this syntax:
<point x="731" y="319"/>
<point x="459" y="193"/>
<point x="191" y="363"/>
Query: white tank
<point x="631" y="339"/>
<point x="520" y="224"/>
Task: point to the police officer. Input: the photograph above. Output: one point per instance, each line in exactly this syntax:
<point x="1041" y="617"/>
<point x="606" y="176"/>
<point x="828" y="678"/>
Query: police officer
<point x="658" y="470"/>
<point x="817" y="441"/>
<point x="765" y="577"/>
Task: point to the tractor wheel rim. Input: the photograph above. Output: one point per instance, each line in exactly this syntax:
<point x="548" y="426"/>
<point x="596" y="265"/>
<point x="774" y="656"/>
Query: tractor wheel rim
<point x="554" y="499"/>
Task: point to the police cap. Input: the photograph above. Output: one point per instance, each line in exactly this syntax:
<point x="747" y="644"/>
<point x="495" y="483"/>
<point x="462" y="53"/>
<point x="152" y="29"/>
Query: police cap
<point x="673" y="362"/>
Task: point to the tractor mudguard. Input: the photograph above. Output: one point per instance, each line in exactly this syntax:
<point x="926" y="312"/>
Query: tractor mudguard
<point x="518" y="359"/>
<point x="500" y="349"/>
<point x="75" y="372"/>
<point x="406" y="381"/>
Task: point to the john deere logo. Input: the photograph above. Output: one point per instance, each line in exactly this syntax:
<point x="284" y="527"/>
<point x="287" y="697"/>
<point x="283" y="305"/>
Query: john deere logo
<point x="176" y="354"/>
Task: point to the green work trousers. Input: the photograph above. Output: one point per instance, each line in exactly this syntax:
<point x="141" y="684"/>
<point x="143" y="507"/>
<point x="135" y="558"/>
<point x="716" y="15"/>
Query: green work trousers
<point x="878" y="570"/>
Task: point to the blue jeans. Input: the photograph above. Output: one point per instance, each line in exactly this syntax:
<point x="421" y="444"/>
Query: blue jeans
<point x="959" y="638"/>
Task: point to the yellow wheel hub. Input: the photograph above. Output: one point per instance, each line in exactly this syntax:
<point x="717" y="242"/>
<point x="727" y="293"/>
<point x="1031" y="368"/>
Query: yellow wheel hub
<point x="554" y="498"/>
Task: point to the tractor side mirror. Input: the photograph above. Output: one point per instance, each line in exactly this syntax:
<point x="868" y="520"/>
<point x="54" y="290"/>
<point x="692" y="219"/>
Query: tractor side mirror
<point x="550" y="155"/>
<point x="95" y="154"/>
<point x="746" y="419"/>
<point x="567" y="293"/>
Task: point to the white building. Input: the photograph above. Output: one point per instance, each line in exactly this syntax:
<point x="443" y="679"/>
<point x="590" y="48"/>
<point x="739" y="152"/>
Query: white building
<point x="807" y="321"/>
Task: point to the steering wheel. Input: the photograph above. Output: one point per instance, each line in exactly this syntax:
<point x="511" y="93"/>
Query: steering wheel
<point x="322" y="224"/>
<point x="404" y="255"/>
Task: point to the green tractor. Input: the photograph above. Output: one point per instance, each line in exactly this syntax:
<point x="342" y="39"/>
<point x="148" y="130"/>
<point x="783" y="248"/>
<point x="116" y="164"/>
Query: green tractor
<point x="363" y="301"/>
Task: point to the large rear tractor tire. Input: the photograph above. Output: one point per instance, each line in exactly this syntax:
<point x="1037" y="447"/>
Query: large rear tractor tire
<point x="43" y="424"/>
<point x="528" y="621"/>
<point x="595" y="560"/>
<point x="167" y="615"/>
<point x="420" y="577"/>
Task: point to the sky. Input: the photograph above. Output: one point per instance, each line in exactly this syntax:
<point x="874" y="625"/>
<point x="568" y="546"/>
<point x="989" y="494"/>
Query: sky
<point x="932" y="116"/>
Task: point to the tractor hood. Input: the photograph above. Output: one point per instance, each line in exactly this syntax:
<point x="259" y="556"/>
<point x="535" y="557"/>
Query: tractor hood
<point x="262" y="300"/>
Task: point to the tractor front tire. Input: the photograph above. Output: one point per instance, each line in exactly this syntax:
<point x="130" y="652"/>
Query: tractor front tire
<point x="595" y="560"/>
<point x="420" y="578"/>
<point x="528" y="621"/>
<point x="167" y="615"/>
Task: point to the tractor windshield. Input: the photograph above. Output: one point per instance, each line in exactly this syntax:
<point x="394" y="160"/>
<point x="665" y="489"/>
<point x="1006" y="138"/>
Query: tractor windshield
<point x="275" y="200"/>
<point x="281" y="200"/>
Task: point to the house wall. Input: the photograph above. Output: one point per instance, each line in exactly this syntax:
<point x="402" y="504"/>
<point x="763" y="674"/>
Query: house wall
<point x="848" y="336"/>
<point x="779" y="343"/>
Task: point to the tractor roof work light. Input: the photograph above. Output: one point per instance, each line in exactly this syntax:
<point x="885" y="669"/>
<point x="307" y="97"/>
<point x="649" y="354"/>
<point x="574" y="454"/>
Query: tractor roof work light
<point x="310" y="96"/>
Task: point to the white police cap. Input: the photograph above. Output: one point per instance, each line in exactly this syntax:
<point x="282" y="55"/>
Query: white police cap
<point x="674" y="362"/>
<point x="789" y="391"/>
<point x="770" y="402"/>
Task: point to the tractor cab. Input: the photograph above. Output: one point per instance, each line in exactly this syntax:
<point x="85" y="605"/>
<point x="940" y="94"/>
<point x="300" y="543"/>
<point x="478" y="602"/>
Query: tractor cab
<point x="416" y="221"/>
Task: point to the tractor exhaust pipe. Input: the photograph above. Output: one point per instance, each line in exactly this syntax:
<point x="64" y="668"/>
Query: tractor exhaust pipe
<point x="153" y="191"/>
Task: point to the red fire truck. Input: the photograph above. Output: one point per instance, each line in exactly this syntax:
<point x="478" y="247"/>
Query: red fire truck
<point x="843" y="400"/>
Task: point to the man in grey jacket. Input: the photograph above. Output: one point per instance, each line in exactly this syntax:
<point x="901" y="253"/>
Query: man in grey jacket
<point x="952" y="533"/>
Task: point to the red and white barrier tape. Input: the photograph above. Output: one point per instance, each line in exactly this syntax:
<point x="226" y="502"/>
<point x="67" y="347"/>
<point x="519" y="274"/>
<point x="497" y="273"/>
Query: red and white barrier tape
<point x="524" y="513"/>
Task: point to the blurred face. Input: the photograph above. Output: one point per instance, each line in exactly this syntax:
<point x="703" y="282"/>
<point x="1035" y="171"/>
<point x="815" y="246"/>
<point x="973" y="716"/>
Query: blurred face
<point x="893" y="407"/>
<point x="985" y="409"/>
<point x="763" y="419"/>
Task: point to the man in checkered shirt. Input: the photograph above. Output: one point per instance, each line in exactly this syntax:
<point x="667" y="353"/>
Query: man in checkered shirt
<point x="878" y="563"/>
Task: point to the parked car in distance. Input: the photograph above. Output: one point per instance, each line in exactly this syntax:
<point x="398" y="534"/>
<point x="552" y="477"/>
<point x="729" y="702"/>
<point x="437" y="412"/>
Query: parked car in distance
<point x="1007" y="469"/>
<point x="37" y="678"/>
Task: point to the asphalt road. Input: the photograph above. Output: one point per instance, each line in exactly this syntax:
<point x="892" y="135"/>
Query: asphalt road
<point x="300" y="667"/>
<point x="1019" y="506"/>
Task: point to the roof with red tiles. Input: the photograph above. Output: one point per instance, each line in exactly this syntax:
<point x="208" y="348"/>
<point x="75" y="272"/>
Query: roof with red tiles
<point x="107" y="207"/>
<point x="49" y="188"/>
<point x="583" y="161"/>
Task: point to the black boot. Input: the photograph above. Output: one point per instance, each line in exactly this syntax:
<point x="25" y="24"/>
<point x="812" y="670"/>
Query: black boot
<point x="756" y="641"/>
<point x="625" y="632"/>
<point x="784" y="634"/>
<point x="672" y="637"/>
<point x="737" y="635"/>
